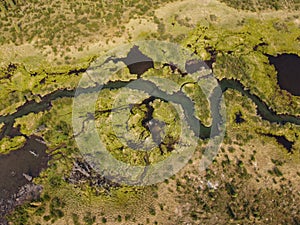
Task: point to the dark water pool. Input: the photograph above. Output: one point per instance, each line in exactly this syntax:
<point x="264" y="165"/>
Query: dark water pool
<point x="239" y="118"/>
<point x="137" y="62"/>
<point x="288" y="145"/>
<point x="15" y="166"/>
<point x="288" y="68"/>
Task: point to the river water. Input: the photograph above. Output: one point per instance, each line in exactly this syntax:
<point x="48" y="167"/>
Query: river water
<point x="17" y="168"/>
<point x="29" y="160"/>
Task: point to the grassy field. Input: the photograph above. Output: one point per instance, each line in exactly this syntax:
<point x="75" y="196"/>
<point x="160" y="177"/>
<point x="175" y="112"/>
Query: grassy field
<point x="59" y="27"/>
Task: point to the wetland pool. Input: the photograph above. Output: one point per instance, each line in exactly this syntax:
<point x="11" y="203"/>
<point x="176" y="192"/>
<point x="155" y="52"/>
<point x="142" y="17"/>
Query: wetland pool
<point x="288" y="72"/>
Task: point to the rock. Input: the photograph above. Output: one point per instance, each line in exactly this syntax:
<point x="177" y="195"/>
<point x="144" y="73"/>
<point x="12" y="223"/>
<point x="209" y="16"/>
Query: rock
<point x="82" y="173"/>
<point x="36" y="204"/>
<point x="25" y="194"/>
<point x="27" y="177"/>
<point x="34" y="154"/>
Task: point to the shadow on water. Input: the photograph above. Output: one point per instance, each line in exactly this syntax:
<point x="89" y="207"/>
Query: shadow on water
<point x="288" y="69"/>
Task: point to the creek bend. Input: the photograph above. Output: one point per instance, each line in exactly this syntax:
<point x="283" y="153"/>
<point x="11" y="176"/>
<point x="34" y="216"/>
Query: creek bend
<point x="225" y="84"/>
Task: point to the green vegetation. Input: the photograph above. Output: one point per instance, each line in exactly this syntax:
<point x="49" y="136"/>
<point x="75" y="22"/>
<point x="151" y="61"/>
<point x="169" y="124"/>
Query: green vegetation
<point x="252" y="180"/>
<point x="263" y="4"/>
<point x="89" y="219"/>
<point x="241" y="54"/>
<point x="9" y="144"/>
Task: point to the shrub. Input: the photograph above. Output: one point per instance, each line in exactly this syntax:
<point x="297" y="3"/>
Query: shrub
<point x="75" y="218"/>
<point x="104" y="220"/>
<point x="277" y="172"/>
<point x="89" y="219"/>
<point x="152" y="211"/>
<point x="119" y="218"/>
<point x="47" y="218"/>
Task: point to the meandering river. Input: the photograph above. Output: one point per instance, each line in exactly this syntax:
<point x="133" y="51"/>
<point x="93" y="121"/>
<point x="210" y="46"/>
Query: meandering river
<point x="18" y="166"/>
